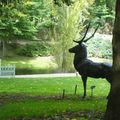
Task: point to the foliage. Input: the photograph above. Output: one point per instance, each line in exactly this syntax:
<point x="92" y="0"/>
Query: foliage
<point x="39" y="13"/>
<point x="35" y="49"/>
<point x="14" y="23"/>
<point x="22" y="19"/>
<point x="100" y="48"/>
<point x="60" y="2"/>
<point x="68" y="25"/>
<point x="102" y="11"/>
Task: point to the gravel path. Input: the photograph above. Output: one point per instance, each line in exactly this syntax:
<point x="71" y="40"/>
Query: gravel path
<point x="47" y="75"/>
<point x="43" y="75"/>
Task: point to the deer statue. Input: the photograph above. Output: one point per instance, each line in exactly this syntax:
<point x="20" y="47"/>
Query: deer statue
<point x="87" y="68"/>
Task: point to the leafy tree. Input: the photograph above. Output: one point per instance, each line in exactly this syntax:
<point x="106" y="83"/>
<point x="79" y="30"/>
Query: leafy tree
<point x="102" y="11"/>
<point x="14" y="23"/>
<point x="59" y="2"/>
<point x="22" y="20"/>
<point x="110" y="4"/>
<point x="69" y="20"/>
<point x="39" y="13"/>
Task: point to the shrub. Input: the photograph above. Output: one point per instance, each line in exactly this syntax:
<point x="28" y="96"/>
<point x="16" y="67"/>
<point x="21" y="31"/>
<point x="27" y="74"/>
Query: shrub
<point x="34" y="49"/>
<point x="100" y="48"/>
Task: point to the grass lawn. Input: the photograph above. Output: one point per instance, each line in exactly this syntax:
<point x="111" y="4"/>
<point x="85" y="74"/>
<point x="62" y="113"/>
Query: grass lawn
<point x="31" y="65"/>
<point x="44" y="108"/>
<point x="28" y="98"/>
<point x="51" y="86"/>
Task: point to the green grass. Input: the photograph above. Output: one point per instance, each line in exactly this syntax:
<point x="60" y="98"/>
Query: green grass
<point x="36" y="109"/>
<point x="14" y="107"/>
<point x="52" y="86"/>
<point x="31" y="65"/>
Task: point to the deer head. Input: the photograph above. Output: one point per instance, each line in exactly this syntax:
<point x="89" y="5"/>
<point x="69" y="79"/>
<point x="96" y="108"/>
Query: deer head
<point x="81" y="48"/>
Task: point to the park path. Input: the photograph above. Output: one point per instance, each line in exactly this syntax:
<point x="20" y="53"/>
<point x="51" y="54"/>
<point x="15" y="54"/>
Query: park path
<point x="47" y="75"/>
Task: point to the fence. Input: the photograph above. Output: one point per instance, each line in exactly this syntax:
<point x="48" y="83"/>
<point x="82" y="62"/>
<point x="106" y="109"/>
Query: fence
<point x="8" y="70"/>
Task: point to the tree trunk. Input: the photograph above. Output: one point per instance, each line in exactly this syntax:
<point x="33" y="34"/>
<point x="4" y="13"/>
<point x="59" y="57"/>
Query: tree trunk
<point x="113" y="105"/>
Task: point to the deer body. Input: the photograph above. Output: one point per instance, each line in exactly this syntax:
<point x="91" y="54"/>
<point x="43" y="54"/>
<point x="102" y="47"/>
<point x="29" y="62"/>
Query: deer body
<point x="95" y="70"/>
<point x="87" y="68"/>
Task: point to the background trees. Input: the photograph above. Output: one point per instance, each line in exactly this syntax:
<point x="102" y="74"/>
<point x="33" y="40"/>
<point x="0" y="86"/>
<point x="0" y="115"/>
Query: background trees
<point x="102" y="12"/>
<point x="69" y="22"/>
<point x="14" y="23"/>
<point x="22" y="20"/>
<point x="51" y="24"/>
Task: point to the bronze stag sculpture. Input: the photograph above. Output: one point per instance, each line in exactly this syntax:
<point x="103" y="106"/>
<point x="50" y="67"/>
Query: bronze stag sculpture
<point x="87" y="68"/>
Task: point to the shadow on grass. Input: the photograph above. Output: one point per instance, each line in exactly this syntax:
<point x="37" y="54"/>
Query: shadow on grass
<point x="16" y="97"/>
<point x="25" y="107"/>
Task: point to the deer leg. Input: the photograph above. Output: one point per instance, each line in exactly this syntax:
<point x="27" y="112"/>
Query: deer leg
<point x="84" y="80"/>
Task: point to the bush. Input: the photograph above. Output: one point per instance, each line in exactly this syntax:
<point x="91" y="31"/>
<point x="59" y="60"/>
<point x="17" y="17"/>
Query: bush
<point x="26" y="71"/>
<point x="100" y="48"/>
<point x="34" y="49"/>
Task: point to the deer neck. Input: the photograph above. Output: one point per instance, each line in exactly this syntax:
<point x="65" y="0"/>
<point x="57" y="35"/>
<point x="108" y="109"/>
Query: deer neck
<point x="79" y="59"/>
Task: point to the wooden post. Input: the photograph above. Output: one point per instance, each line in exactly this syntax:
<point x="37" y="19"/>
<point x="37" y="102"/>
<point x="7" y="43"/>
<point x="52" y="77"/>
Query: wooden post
<point x="75" y="89"/>
<point x="63" y="95"/>
<point x="92" y="88"/>
<point x="14" y="67"/>
<point x="91" y="92"/>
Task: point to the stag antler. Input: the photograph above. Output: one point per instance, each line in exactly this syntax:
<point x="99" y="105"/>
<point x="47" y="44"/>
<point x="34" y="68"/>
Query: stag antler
<point x="92" y="34"/>
<point x="82" y="40"/>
